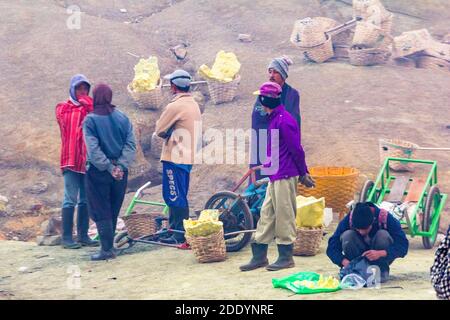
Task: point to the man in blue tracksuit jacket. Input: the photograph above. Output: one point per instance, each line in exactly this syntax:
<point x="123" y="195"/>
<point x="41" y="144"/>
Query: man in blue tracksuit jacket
<point x="370" y="233"/>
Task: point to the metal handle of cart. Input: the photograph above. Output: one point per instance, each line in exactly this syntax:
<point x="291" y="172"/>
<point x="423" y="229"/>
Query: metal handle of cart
<point x="136" y="200"/>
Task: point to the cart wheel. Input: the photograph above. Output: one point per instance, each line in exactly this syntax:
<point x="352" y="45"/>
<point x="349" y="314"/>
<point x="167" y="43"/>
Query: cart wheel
<point x="431" y="204"/>
<point x="123" y="242"/>
<point x="235" y="216"/>
<point x="368" y="186"/>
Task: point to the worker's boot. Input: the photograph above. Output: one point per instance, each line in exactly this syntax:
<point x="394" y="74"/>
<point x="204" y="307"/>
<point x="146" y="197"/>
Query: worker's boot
<point x="384" y="277"/>
<point x="259" y="258"/>
<point x="284" y="260"/>
<point x="176" y="217"/>
<point x="105" y="231"/>
<point x="83" y="227"/>
<point x="67" y="229"/>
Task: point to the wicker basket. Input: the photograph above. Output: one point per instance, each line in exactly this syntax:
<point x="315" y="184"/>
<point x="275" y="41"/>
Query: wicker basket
<point x="395" y="148"/>
<point x="208" y="249"/>
<point x="412" y="42"/>
<point x="367" y="9"/>
<point x="343" y="38"/>
<point x="337" y="184"/>
<point x="141" y="224"/>
<point x="341" y="51"/>
<point x="434" y="63"/>
<point x="308" y="241"/>
<point x="368" y="57"/>
<point x="319" y="53"/>
<point x="366" y="34"/>
<point x="386" y="25"/>
<point x="221" y="92"/>
<point x="405" y="62"/>
<point x="310" y="32"/>
<point x="148" y="100"/>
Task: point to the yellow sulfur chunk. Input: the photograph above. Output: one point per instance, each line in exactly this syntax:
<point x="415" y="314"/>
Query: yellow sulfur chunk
<point x="206" y="225"/>
<point x="146" y="75"/>
<point x="225" y="67"/>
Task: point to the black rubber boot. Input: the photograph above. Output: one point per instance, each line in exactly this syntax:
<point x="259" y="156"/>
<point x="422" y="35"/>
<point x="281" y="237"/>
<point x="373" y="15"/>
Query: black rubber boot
<point x="67" y="226"/>
<point x="176" y="217"/>
<point x="83" y="227"/>
<point x="259" y="258"/>
<point x="105" y="231"/>
<point x="284" y="260"/>
<point x="384" y="277"/>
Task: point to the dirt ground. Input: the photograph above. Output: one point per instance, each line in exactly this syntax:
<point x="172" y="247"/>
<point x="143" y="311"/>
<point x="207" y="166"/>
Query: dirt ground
<point x="150" y="272"/>
<point x="345" y="110"/>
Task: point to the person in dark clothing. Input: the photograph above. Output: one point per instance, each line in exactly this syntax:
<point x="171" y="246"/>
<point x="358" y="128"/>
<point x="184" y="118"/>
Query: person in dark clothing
<point x="290" y="98"/>
<point x="111" y="149"/>
<point x="371" y="233"/>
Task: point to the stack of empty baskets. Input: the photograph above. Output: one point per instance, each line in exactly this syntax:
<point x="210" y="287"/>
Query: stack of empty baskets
<point x="418" y="48"/>
<point x="372" y="39"/>
<point x="321" y="38"/>
<point x="309" y="35"/>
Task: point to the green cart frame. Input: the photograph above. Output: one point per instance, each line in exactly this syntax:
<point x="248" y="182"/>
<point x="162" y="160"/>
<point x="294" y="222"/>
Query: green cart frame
<point x="136" y="200"/>
<point x="429" y="206"/>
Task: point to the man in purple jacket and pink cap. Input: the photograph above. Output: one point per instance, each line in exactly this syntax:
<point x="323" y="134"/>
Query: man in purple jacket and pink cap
<point x="286" y="167"/>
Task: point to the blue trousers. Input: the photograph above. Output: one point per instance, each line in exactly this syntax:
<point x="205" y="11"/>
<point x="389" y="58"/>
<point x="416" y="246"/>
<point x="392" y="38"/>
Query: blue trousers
<point x="175" y="184"/>
<point x="74" y="191"/>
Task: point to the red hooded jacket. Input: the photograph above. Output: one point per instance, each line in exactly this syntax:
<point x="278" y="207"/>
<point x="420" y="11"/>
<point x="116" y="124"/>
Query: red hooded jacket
<point x="70" y="118"/>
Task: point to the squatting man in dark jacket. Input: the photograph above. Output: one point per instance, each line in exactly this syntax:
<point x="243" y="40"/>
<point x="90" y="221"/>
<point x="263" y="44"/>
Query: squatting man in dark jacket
<point x="365" y="233"/>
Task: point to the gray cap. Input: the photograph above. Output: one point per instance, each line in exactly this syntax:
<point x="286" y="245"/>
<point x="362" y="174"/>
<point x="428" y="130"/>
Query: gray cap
<point x="180" y="78"/>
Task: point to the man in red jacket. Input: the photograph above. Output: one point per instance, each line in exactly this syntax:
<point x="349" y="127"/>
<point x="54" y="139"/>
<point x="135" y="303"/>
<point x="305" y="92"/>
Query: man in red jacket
<point x="70" y="116"/>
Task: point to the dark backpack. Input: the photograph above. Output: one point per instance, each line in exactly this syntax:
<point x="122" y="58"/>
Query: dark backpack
<point x="382" y="218"/>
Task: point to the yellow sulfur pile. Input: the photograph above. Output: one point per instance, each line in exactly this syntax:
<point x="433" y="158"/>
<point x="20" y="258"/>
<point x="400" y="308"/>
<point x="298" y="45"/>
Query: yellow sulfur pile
<point x="310" y="212"/>
<point x="225" y="67"/>
<point x="208" y="223"/>
<point x="146" y="75"/>
<point x="323" y="283"/>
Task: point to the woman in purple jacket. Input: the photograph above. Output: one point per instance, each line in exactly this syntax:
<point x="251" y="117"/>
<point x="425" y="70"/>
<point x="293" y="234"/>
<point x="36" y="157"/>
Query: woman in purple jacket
<point x="286" y="164"/>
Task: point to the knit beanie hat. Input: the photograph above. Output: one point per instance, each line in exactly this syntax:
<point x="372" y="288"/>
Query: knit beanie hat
<point x="362" y="216"/>
<point x="281" y="65"/>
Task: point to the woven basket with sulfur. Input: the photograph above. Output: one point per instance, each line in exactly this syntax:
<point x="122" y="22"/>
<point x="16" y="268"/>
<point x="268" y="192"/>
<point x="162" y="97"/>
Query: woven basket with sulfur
<point x="221" y="92"/>
<point x="308" y="241"/>
<point x="141" y="224"/>
<point x="210" y="248"/>
<point x="395" y="148"/>
<point x="152" y="99"/>
<point x="336" y="184"/>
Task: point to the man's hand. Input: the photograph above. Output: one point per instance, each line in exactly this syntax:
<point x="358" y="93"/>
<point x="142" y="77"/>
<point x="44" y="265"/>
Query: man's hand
<point x="117" y="173"/>
<point x="374" y="255"/>
<point x="85" y="100"/>
<point x="307" y="181"/>
<point x="345" y="262"/>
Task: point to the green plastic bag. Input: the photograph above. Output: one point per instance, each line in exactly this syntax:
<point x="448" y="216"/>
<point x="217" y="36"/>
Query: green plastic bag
<point x="306" y="283"/>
